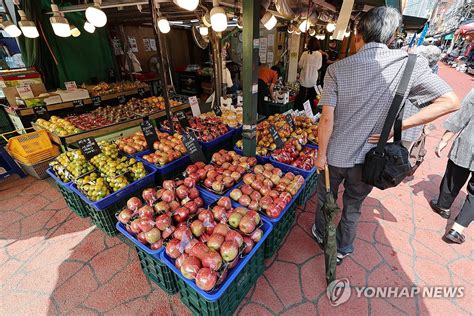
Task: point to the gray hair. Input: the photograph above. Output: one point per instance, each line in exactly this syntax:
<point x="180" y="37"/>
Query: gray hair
<point x="431" y="52"/>
<point x="379" y="24"/>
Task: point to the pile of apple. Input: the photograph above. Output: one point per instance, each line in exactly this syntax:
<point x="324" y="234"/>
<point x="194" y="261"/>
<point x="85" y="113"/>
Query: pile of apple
<point x="208" y="260"/>
<point x="245" y="220"/>
<point x="267" y="189"/>
<point x="226" y="170"/>
<point x="161" y="213"/>
<point x="308" y="126"/>
<point x="206" y="127"/>
<point x="88" y="121"/>
<point x="295" y="155"/>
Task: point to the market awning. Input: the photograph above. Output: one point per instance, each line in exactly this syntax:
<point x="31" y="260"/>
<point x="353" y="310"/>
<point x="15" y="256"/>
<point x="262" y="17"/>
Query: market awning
<point x="465" y="28"/>
<point x="413" y="23"/>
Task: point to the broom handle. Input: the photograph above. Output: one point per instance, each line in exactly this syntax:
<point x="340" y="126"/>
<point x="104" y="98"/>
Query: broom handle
<point x="326" y="179"/>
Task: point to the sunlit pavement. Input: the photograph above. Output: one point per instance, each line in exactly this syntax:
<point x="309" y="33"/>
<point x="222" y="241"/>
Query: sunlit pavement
<point x="53" y="262"/>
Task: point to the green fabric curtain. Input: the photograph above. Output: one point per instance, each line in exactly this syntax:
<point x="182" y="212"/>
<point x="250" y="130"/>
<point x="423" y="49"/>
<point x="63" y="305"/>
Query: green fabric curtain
<point x="81" y="59"/>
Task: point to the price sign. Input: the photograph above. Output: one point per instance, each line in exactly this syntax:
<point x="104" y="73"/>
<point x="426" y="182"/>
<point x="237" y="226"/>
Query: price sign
<point x="96" y="101"/>
<point x="307" y="109"/>
<point x="192" y="146"/>
<point x="89" y="147"/>
<point x="149" y="132"/>
<point x="276" y="137"/>
<point x="217" y="109"/>
<point x="141" y="92"/>
<point x="193" y="101"/>
<point x="183" y="120"/>
<point x="24" y="91"/>
<point x="70" y="85"/>
<point x="122" y="99"/>
<point x="41" y="111"/>
<point x="78" y="106"/>
<point x="289" y="120"/>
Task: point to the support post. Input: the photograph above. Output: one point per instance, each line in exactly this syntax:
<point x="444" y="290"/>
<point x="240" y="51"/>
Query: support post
<point x="162" y="62"/>
<point x="217" y="62"/>
<point x="251" y="16"/>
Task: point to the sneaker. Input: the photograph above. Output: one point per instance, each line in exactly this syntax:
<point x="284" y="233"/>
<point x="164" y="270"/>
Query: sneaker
<point x="442" y="212"/>
<point x="317" y="237"/>
<point x="340" y="257"/>
<point x="453" y="237"/>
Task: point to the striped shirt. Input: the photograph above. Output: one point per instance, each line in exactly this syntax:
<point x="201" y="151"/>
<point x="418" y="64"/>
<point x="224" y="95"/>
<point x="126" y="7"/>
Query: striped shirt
<point x="361" y="88"/>
<point x="462" y="122"/>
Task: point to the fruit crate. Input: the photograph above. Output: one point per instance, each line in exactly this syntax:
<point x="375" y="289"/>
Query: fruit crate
<point x="169" y="171"/>
<point x="309" y="189"/>
<point x="73" y="201"/>
<point x="228" y="296"/>
<point x="37" y="170"/>
<point x="103" y="212"/>
<point x="158" y="272"/>
<point x="260" y="159"/>
<point x="270" y="108"/>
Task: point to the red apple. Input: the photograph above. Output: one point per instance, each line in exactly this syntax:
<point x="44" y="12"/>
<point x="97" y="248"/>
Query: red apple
<point x="257" y="235"/>
<point x="182" y="192"/>
<point x="172" y="248"/>
<point x="235" y="236"/>
<point x="205" y="215"/>
<point x="168" y="232"/>
<point x="199" y="202"/>
<point x="161" y="206"/>
<point x="236" y="194"/>
<point x="169" y="185"/>
<point x="199" y="250"/>
<point x="168" y="195"/>
<point x="190" y="267"/>
<point x="197" y="228"/>
<point x="134" y="203"/>
<point x="225" y="202"/>
<point x="229" y="250"/>
<point x="182" y="233"/>
<point x="193" y="193"/>
<point x="212" y="260"/>
<point x="157" y="245"/>
<point x="179" y="261"/>
<point x="221" y="229"/>
<point x="189" y="182"/>
<point x="244" y="200"/>
<point x="125" y="216"/>
<point x="149" y="195"/>
<point x="215" y="241"/>
<point x="192" y="206"/>
<point x="206" y="279"/>
<point x="249" y="243"/>
<point x="153" y="235"/>
<point x="247" y="224"/>
<point x="181" y="214"/>
<point x="146" y="211"/>
<point x="163" y="221"/>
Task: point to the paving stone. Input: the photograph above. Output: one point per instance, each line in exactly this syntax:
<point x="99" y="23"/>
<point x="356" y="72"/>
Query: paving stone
<point x="265" y="296"/>
<point x="307" y="247"/>
<point x="284" y="278"/>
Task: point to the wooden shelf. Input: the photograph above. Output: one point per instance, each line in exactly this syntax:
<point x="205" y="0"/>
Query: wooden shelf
<point x="88" y="101"/>
<point x="71" y="139"/>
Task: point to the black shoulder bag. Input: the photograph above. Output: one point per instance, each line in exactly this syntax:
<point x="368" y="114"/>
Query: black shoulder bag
<point x="387" y="165"/>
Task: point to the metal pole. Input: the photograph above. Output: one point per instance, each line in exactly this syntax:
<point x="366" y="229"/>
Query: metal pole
<point x="251" y="15"/>
<point x="217" y="62"/>
<point x="161" y="62"/>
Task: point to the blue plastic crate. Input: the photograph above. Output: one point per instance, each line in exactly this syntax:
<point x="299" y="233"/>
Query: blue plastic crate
<point x="53" y="175"/>
<point x="168" y="168"/>
<point x="208" y="200"/>
<point x="216" y="142"/>
<point x="305" y="173"/>
<point x="260" y="159"/>
<point x="121" y="194"/>
<point x="312" y="146"/>
<point x="233" y="273"/>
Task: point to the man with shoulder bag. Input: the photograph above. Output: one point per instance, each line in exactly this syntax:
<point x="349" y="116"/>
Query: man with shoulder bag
<point x="362" y="98"/>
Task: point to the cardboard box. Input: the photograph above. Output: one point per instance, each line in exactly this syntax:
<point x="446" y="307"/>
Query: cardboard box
<point x="78" y="94"/>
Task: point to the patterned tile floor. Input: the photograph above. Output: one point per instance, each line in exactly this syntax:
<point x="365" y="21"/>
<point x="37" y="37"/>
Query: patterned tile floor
<point x="53" y="262"/>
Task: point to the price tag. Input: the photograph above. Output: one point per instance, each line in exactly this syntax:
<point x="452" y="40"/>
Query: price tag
<point x="41" y="111"/>
<point x="193" y="101"/>
<point x="192" y="146"/>
<point x="89" y="147"/>
<point x="78" y="106"/>
<point x="96" y="101"/>
<point x="307" y="109"/>
<point x="122" y="99"/>
<point x="183" y="120"/>
<point x="24" y="91"/>
<point x="141" y="92"/>
<point x="276" y="137"/>
<point x="289" y="120"/>
<point x="70" y="85"/>
<point x="217" y="109"/>
<point x="149" y="132"/>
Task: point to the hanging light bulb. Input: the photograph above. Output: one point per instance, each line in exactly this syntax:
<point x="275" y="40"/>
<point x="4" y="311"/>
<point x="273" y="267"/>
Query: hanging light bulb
<point x="312" y="32"/>
<point x="164" y="25"/>
<point x="89" y="27"/>
<point x="218" y="18"/>
<point x="27" y="27"/>
<point x="304" y="26"/>
<point x="59" y="23"/>
<point x="95" y="15"/>
<point x="189" y="5"/>
<point x="206" y="20"/>
<point x="203" y="30"/>
<point x="330" y="27"/>
<point x="269" y="20"/>
<point x="11" y="29"/>
<point x="347" y="34"/>
<point x="75" y="31"/>
<point x="331" y="37"/>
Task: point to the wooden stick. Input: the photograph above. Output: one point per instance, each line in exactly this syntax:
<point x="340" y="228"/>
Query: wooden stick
<point x="326" y="179"/>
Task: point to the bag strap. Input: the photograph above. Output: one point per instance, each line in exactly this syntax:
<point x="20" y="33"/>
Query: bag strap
<point x="395" y="107"/>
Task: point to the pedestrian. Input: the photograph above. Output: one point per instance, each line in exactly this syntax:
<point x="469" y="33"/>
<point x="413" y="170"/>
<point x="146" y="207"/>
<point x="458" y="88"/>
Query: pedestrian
<point x="268" y="76"/>
<point x="310" y="62"/>
<point x="357" y="95"/>
<point x="460" y="167"/>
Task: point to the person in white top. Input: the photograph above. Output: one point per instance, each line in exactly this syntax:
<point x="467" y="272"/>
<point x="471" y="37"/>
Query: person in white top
<point x="310" y="63"/>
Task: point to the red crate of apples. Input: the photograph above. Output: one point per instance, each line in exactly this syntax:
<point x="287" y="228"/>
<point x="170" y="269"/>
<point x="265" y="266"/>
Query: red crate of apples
<point x="294" y="154"/>
<point x="160" y="213"/>
<point x="268" y="190"/>
<point x="225" y="171"/>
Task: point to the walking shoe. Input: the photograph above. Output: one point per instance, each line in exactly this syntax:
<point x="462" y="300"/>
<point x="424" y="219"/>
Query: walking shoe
<point x="453" y="237"/>
<point x="340" y="257"/>
<point x="317" y="237"/>
<point x="442" y="212"/>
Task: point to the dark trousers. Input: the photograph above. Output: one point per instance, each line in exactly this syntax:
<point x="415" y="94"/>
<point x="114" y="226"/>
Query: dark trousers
<point x="355" y="192"/>
<point x="303" y="95"/>
<point x="454" y="179"/>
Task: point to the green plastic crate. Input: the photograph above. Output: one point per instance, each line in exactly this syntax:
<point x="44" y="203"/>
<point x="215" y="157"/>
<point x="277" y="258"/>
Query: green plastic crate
<point x="232" y="297"/>
<point x="74" y="202"/>
<point x="158" y="272"/>
<point x="105" y="219"/>
<point x="279" y="232"/>
<point x="309" y="189"/>
<point x="270" y="108"/>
